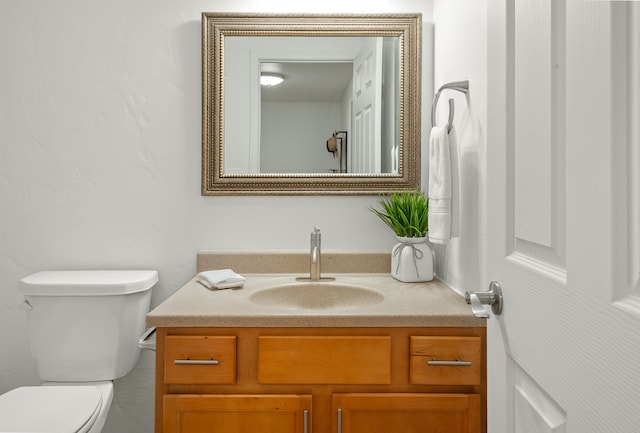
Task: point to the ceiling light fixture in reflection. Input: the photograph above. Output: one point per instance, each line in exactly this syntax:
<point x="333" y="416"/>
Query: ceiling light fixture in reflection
<point x="270" y="79"/>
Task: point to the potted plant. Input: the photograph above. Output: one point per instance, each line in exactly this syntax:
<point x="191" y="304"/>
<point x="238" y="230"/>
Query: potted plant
<point x="406" y="214"/>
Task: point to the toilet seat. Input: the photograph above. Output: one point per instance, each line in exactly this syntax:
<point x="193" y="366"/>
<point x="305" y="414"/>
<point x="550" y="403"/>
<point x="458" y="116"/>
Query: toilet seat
<point x="50" y="409"/>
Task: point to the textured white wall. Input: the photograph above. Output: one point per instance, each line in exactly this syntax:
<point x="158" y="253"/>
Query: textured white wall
<point x="100" y="160"/>
<point x="462" y="55"/>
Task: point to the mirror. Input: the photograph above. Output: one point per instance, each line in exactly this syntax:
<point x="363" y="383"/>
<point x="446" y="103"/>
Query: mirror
<point x="344" y="119"/>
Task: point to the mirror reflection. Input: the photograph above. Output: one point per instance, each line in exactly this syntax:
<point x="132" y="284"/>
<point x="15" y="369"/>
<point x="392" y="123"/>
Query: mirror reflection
<point x="327" y="104"/>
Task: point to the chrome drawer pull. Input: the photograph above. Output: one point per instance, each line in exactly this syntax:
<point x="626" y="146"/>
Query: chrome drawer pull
<point x="456" y="363"/>
<point x="339" y="420"/>
<point x="196" y="361"/>
<point x="305" y="421"/>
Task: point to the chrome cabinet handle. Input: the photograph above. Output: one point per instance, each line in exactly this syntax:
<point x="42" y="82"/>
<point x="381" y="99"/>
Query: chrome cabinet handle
<point x="446" y="363"/>
<point x="339" y="420"/>
<point x="305" y="417"/>
<point x="196" y="361"/>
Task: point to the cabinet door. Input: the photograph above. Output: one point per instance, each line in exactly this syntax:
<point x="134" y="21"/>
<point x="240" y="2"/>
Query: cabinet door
<point x="406" y="413"/>
<point x="237" y="413"/>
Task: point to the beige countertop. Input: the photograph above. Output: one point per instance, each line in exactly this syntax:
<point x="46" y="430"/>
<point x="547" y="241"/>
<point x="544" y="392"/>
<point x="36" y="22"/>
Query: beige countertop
<point x="397" y="304"/>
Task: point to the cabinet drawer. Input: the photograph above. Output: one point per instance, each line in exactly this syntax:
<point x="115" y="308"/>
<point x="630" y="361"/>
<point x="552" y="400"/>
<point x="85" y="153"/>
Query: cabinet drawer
<point x="446" y="360"/>
<point x="324" y="360"/>
<point x="200" y="359"/>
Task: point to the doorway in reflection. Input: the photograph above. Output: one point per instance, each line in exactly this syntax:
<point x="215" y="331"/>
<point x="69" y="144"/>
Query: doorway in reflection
<point x="329" y="84"/>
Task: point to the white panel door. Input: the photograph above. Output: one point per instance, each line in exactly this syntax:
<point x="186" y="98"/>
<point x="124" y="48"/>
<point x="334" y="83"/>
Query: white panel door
<point x="563" y="220"/>
<point x="365" y="150"/>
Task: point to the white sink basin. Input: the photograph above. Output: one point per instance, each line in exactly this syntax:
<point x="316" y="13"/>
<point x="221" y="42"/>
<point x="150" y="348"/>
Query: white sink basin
<point x="316" y="295"/>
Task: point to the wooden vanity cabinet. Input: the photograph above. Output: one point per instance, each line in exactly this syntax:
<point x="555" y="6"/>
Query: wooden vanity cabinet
<point x="321" y="380"/>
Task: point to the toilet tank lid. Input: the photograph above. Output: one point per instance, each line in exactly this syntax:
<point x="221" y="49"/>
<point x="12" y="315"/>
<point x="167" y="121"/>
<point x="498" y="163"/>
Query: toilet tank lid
<point x="88" y="283"/>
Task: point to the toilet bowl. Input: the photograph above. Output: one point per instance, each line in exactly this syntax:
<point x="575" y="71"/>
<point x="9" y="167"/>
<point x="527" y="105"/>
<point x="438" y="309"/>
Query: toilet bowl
<point x="56" y="407"/>
<point x="84" y="328"/>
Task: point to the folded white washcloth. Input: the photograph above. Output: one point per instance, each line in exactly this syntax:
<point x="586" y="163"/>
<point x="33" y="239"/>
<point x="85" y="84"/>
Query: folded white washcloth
<point x="443" y="185"/>
<point x="220" y="279"/>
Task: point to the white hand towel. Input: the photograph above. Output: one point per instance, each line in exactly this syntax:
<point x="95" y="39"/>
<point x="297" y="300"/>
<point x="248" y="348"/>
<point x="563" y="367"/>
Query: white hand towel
<point x="220" y="279"/>
<point x="455" y="183"/>
<point x="443" y="186"/>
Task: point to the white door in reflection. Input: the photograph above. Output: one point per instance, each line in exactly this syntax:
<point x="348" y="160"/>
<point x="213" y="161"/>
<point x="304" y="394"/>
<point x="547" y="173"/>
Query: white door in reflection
<point x="365" y="156"/>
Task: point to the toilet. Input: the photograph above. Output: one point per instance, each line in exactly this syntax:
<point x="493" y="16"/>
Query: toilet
<point x="83" y="330"/>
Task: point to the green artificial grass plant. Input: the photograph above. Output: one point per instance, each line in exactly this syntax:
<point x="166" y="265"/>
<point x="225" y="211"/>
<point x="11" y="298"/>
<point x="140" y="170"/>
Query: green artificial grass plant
<point x="406" y="213"/>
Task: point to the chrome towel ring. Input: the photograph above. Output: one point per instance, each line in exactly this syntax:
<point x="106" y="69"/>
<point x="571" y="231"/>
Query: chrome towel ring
<point x="460" y="86"/>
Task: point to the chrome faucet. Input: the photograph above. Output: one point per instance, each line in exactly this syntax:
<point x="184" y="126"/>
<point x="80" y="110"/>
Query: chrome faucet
<point x="315" y="254"/>
<point x="315" y="273"/>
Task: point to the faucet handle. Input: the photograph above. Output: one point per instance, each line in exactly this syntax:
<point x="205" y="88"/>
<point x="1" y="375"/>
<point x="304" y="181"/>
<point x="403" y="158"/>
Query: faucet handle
<point x="315" y="236"/>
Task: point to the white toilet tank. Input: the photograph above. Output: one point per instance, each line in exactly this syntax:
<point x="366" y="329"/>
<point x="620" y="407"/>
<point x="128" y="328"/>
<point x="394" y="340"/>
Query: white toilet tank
<point x="84" y="325"/>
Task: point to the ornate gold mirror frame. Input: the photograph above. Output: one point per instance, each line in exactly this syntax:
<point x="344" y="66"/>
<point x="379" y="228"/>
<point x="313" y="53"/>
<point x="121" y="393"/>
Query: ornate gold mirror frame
<point x="216" y="27"/>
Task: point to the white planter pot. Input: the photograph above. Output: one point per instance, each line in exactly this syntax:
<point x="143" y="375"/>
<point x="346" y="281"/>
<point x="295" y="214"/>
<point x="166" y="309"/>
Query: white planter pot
<point x="411" y="260"/>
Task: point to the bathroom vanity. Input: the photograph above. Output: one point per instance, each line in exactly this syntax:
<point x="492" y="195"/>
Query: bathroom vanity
<point x="392" y="358"/>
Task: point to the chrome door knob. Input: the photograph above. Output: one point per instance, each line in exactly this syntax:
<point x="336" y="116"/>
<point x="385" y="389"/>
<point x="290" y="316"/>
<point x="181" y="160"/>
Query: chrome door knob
<point x="491" y="297"/>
